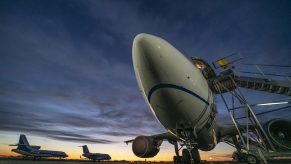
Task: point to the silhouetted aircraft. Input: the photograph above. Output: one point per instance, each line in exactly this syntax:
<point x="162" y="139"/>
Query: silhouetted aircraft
<point x="94" y="156"/>
<point x="27" y="150"/>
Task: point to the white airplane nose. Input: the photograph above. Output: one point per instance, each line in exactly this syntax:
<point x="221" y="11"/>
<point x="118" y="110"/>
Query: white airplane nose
<point x="147" y="48"/>
<point x="149" y="54"/>
<point x="169" y="82"/>
<point x="142" y="41"/>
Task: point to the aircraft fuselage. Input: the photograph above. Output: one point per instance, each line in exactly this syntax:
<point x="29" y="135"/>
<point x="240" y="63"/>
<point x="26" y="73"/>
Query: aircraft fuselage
<point x="97" y="156"/>
<point x="41" y="153"/>
<point x="175" y="90"/>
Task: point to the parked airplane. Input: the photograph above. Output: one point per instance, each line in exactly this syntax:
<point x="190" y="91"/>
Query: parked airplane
<point x="180" y="98"/>
<point x="94" y="156"/>
<point x="27" y="150"/>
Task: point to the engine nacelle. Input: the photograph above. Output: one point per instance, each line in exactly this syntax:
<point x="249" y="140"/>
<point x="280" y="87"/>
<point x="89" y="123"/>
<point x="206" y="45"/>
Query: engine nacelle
<point x="145" y="146"/>
<point x="279" y="132"/>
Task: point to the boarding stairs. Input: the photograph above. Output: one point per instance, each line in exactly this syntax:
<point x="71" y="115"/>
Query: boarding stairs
<point x="251" y="137"/>
<point x="230" y="81"/>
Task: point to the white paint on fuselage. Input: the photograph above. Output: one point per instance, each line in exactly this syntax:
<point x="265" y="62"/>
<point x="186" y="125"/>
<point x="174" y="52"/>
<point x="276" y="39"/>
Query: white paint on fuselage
<point x="156" y="62"/>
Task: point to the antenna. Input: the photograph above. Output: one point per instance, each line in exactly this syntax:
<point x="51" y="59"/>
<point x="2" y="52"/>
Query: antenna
<point x="226" y="61"/>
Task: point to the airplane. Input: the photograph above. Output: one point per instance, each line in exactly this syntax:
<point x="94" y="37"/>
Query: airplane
<point x="27" y="150"/>
<point x="94" y="156"/>
<point x="179" y="96"/>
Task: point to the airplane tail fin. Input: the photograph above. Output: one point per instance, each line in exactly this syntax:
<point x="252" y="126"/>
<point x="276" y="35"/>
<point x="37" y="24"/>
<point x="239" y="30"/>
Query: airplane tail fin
<point x="23" y="140"/>
<point x="85" y="149"/>
<point x="22" y="143"/>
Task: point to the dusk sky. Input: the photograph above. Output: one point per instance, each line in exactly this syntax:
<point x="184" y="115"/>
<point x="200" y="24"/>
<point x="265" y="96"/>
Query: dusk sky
<point x="66" y="74"/>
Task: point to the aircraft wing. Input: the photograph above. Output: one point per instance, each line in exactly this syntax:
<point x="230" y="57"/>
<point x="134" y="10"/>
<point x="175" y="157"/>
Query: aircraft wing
<point x="226" y="131"/>
<point x="163" y="136"/>
<point x="35" y="147"/>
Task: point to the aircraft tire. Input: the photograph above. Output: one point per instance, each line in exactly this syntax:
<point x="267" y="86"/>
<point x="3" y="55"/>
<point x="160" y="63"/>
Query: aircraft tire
<point x="237" y="157"/>
<point x="186" y="157"/>
<point x="177" y="160"/>
<point x="195" y="155"/>
<point x="251" y="159"/>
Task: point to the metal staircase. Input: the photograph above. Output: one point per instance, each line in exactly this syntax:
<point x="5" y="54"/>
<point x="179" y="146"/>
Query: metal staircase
<point x="252" y="142"/>
<point x="272" y="86"/>
<point x="231" y="81"/>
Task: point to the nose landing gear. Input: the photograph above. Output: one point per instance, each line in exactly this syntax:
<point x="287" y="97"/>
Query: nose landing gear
<point x="190" y="155"/>
<point x="195" y="155"/>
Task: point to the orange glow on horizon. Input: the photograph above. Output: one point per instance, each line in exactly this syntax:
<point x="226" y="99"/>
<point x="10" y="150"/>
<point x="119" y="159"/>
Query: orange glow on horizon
<point x="77" y="157"/>
<point x="117" y="151"/>
<point x="5" y="151"/>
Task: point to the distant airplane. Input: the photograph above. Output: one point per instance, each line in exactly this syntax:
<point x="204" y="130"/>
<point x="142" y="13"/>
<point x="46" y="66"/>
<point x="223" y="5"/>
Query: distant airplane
<point x="94" y="156"/>
<point x="180" y="96"/>
<point x="27" y="150"/>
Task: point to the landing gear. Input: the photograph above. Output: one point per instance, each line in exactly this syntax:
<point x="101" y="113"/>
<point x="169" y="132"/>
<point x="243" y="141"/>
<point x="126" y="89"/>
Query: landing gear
<point x="251" y="159"/>
<point x="177" y="159"/>
<point x="195" y="155"/>
<point x="191" y="157"/>
<point x="236" y="156"/>
<point x="186" y="157"/>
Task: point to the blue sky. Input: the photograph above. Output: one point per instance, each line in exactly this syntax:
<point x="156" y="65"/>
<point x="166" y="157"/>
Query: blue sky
<point x="66" y="71"/>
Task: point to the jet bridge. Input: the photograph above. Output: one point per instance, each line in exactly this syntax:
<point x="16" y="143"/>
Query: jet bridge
<point x="253" y="144"/>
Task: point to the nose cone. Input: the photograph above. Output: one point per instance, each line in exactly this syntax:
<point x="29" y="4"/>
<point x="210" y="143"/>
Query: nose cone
<point x="169" y="82"/>
<point x="157" y="61"/>
<point x="141" y="40"/>
<point x="146" y="47"/>
<point x="147" y="52"/>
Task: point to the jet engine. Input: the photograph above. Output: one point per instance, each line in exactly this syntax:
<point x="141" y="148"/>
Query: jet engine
<point x="279" y="132"/>
<point x="146" y="147"/>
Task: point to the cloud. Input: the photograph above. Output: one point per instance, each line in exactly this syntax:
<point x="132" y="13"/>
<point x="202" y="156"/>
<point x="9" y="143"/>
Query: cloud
<point x="59" y="117"/>
<point x="82" y="139"/>
<point x="66" y="67"/>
